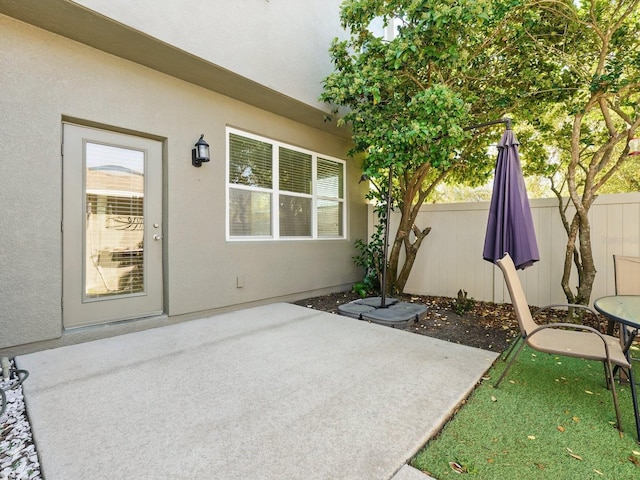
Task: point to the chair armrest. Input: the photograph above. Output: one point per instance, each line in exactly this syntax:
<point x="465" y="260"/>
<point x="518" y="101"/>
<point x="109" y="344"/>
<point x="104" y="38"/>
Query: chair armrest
<point x="575" y="326"/>
<point x="565" y="305"/>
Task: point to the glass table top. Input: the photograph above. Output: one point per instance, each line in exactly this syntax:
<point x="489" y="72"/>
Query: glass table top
<point x="621" y="308"/>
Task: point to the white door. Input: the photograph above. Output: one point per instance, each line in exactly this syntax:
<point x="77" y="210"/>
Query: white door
<point x="112" y="226"/>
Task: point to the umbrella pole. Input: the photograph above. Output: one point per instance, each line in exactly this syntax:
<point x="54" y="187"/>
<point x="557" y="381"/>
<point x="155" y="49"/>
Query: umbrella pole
<point x="383" y="295"/>
<point x="383" y="299"/>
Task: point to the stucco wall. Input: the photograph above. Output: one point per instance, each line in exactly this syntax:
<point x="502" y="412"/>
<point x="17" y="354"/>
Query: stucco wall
<point x="45" y="79"/>
<point x="243" y="36"/>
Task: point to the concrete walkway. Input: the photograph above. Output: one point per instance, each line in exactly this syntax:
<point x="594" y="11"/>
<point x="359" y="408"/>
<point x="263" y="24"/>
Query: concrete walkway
<point x="273" y="392"/>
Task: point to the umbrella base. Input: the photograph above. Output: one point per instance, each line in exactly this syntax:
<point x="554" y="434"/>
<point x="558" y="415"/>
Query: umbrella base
<point x="395" y="314"/>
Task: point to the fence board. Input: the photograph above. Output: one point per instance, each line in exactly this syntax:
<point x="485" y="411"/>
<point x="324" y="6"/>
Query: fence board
<point x="451" y="256"/>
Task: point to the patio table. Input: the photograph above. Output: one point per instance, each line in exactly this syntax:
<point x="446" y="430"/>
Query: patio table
<point x="625" y="310"/>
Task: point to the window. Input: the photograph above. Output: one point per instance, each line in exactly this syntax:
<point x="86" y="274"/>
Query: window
<point x="277" y="191"/>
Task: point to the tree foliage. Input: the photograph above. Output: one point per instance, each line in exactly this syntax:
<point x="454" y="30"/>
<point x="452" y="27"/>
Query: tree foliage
<point x="567" y="72"/>
<point x="588" y="122"/>
<point x="409" y="100"/>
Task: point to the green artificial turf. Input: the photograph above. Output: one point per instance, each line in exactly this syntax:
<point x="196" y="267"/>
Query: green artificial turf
<point x="551" y="418"/>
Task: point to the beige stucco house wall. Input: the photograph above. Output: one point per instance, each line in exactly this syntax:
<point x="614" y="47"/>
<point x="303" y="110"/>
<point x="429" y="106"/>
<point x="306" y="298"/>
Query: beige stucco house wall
<point x="168" y="71"/>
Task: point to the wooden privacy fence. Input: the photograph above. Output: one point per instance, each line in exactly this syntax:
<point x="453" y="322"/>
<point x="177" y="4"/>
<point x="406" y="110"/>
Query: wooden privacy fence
<point x="450" y="258"/>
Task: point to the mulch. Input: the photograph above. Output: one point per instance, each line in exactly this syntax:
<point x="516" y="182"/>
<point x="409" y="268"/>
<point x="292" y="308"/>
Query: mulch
<point x="485" y="325"/>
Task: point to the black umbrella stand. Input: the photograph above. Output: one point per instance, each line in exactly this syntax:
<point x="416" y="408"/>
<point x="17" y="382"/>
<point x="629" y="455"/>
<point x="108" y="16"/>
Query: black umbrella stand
<point x="385" y="249"/>
<point x="388" y="311"/>
<point x="383" y="310"/>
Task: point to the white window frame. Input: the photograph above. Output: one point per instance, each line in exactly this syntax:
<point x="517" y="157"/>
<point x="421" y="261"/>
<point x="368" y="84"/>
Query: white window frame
<point x="275" y="191"/>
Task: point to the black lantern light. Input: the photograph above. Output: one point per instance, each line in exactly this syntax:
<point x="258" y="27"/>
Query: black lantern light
<point x="200" y="154"/>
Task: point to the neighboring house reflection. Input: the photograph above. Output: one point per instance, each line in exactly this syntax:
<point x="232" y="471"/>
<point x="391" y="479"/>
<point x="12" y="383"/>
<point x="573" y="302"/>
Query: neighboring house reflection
<point x="114" y="231"/>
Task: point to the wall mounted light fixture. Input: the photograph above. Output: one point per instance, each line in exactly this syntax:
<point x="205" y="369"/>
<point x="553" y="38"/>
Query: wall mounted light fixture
<point x="634" y="146"/>
<point x="200" y="154"/>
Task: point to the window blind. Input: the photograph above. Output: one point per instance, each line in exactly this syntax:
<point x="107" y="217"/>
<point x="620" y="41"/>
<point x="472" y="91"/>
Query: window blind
<point x="295" y="171"/>
<point x="250" y="162"/>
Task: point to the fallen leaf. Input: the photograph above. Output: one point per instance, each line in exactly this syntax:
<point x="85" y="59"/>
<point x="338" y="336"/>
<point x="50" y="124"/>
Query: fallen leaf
<point x="560" y="428"/>
<point x="575" y="419"/>
<point x="493" y="399"/>
<point x="635" y="452"/>
<point x="588" y="392"/>
<point x="456" y="467"/>
<point x="598" y="472"/>
<point x="573" y="455"/>
<point x="531" y="437"/>
<point x="539" y="465"/>
<point x="634" y="460"/>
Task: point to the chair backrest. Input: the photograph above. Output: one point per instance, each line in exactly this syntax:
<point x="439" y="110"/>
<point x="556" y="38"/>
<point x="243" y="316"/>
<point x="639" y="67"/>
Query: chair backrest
<point x="627" y="275"/>
<point x="518" y="298"/>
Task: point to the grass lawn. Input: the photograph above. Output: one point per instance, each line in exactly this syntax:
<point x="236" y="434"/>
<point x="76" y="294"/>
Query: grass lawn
<point x="551" y="418"/>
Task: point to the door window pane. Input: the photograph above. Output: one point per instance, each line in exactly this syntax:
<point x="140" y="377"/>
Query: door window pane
<point x="114" y="226"/>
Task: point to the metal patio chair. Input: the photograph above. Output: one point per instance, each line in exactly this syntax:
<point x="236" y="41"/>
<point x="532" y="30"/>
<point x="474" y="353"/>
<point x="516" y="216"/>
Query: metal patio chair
<point x="567" y="339"/>
<point x="626" y="274"/>
<point x="627" y="282"/>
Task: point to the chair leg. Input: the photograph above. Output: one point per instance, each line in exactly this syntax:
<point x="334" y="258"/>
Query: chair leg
<point x="504" y="374"/>
<point x="611" y="381"/>
<point x="634" y="397"/>
<point x="510" y="350"/>
<point x="606" y="374"/>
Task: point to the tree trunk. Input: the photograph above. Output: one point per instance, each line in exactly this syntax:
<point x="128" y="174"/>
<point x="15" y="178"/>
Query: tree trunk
<point x="579" y="254"/>
<point x="396" y="282"/>
<point x="571" y="256"/>
<point x="588" y="266"/>
<point x="411" y="251"/>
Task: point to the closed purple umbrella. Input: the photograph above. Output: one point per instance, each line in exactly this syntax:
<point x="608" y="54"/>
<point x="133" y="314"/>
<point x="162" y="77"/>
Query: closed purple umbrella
<point x="510" y="226"/>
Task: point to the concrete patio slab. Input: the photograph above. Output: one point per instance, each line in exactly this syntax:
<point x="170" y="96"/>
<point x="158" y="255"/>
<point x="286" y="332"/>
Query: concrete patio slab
<point x="273" y="392"/>
<point x="409" y="473"/>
